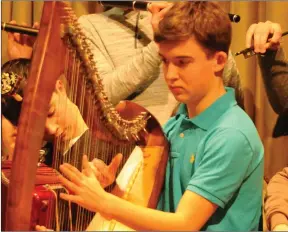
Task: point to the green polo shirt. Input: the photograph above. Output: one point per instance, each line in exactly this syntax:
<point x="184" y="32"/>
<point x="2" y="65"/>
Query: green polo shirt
<point x="218" y="155"/>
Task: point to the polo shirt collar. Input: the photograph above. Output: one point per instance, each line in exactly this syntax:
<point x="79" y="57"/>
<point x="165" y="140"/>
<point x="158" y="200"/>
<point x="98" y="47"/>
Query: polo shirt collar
<point x="205" y="119"/>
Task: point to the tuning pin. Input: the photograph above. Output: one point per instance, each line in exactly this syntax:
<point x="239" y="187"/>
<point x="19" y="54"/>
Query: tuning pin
<point x="144" y="129"/>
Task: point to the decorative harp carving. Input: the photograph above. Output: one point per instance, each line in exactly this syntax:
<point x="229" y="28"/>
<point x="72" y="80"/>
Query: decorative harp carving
<point x="61" y="49"/>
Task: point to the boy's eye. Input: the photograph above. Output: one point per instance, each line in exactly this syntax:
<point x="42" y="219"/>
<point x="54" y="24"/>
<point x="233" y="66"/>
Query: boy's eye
<point x="51" y="111"/>
<point x="182" y="62"/>
<point x="164" y="60"/>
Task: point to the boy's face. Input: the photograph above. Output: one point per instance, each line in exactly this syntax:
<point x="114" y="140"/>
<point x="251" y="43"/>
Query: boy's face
<point x="62" y="116"/>
<point x="188" y="72"/>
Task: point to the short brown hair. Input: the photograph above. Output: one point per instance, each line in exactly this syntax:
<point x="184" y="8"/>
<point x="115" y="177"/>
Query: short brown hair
<point x="206" y="21"/>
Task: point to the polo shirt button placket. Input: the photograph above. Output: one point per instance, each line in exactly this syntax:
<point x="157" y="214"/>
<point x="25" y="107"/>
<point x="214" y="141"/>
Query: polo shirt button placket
<point x="181" y="135"/>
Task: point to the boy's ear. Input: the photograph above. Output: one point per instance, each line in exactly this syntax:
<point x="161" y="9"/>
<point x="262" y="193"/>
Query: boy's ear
<point x="59" y="87"/>
<point x="220" y="59"/>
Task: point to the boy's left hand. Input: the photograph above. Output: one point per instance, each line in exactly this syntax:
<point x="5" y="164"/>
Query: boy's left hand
<point x="87" y="191"/>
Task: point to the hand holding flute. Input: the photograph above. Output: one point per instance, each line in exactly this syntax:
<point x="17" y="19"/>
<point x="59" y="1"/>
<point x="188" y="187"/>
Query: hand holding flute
<point x="20" y="45"/>
<point x="261" y="37"/>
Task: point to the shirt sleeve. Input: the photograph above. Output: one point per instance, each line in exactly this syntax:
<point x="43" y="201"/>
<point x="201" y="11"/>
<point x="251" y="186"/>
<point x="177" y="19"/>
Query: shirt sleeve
<point x="274" y="70"/>
<point x="120" y="82"/>
<point x="226" y="159"/>
<point x="276" y="203"/>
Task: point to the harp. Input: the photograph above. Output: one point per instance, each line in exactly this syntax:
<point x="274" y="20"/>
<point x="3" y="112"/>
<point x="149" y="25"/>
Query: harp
<point x="61" y="49"/>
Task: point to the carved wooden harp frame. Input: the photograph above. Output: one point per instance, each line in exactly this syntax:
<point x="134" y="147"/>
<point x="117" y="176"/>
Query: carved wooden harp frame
<point x="47" y="65"/>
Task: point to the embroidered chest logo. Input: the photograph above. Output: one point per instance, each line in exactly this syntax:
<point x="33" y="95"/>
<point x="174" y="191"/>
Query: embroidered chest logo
<point x="192" y="158"/>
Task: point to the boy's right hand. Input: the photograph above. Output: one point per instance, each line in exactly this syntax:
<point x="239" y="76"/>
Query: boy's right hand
<point x="20" y="45"/>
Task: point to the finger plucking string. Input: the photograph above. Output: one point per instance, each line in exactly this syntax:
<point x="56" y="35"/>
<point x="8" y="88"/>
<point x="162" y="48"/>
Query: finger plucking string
<point x="69" y="197"/>
<point x="68" y="184"/>
<point x="85" y="163"/>
<point x="72" y="173"/>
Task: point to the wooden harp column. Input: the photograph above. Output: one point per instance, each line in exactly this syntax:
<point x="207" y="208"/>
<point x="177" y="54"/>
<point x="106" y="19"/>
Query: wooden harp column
<point x="42" y="79"/>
